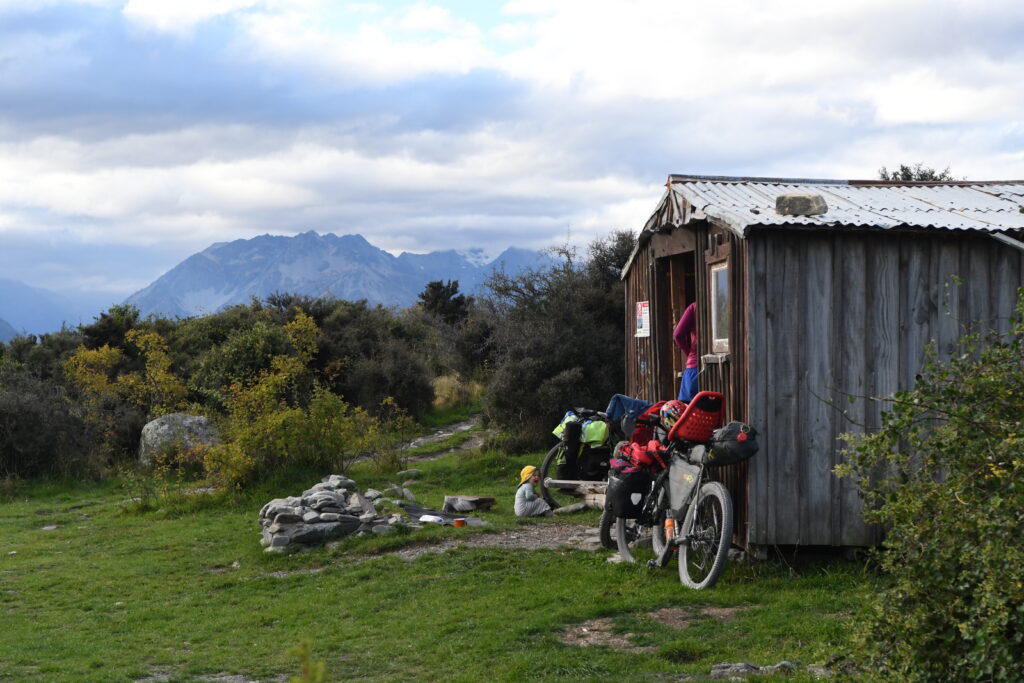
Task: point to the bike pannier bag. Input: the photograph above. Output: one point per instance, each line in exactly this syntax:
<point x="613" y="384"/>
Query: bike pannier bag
<point x="626" y="491"/>
<point x="733" y="443"/>
<point x="593" y="463"/>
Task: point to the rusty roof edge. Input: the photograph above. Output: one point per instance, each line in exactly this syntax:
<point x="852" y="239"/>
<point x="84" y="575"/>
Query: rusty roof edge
<point x="685" y="177"/>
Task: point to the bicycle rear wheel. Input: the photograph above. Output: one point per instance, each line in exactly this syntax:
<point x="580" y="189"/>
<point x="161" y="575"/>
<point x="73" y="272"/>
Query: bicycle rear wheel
<point x="556" y="498"/>
<point x="632" y="533"/>
<point x="708" y="532"/>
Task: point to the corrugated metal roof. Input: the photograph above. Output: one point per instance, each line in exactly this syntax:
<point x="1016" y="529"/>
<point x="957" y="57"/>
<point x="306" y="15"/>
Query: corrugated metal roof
<point x="749" y="203"/>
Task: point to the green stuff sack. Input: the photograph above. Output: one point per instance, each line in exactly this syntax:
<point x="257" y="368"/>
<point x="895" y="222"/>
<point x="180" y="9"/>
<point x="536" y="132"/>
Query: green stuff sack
<point x="570" y="418"/>
<point x="595" y="432"/>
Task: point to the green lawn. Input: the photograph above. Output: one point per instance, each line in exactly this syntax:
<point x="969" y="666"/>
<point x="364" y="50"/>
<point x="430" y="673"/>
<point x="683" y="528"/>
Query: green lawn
<point x="187" y="591"/>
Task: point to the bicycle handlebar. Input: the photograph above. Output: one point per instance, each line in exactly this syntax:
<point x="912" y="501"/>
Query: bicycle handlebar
<point x="587" y="412"/>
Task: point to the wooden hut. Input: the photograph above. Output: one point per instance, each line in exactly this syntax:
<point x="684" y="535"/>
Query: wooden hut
<point x="809" y="292"/>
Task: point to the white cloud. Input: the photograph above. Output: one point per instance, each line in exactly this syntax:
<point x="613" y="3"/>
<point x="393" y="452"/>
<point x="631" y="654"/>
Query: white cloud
<point x="422" y="18"/>
<point x="594" y="103"/>
<point x="180" y="16"/>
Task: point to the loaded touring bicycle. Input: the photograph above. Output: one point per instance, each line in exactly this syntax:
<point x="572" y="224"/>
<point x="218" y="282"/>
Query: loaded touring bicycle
<point x="662" y="490"/>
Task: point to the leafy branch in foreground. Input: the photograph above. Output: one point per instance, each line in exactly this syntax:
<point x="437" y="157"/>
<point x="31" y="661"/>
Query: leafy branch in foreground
<point x="945" y="476"/>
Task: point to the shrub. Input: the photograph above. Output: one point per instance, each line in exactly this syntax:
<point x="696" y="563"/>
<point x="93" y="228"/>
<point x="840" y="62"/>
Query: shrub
<point x="367" y="354"/>
<point x="238" y="359"/>
<point x="268" y="426"/>
<point x="116" y="403"/>
<point x="945" y="474"/>
<point x="39" y="433"/>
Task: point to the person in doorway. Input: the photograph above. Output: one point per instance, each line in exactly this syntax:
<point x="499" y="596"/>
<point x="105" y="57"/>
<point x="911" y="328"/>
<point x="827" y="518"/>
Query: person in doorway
<point x="527" y="502"/>
<point x="685" y="337"/>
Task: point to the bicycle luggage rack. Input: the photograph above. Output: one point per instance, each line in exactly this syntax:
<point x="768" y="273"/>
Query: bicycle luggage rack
<point x="591" y="492"/>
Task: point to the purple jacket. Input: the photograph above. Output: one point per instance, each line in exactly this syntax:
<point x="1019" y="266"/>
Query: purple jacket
<point x="685" y="335"/>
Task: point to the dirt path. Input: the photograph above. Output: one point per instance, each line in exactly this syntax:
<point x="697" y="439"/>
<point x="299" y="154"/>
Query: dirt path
<point x="475" y="441"/>
<point x="526" y="537"/>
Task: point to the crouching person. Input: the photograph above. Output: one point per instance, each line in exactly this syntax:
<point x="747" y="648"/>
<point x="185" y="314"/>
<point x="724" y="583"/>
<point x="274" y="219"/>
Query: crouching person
<point x="527" y="502"/>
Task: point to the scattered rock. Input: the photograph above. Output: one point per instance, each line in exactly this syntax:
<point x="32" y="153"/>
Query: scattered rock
<point x="745" y="669"/>
<point x="49" y="527"/>
<point x="467" y="503"/>
<point x="410" y="473"/>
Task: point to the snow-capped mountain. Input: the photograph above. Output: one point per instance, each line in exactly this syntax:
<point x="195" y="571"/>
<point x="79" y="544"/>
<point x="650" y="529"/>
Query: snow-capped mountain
<point x="344" y="267"/>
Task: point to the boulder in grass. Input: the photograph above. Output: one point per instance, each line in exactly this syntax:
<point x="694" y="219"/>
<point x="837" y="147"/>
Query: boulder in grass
<point x="175" y="432"/>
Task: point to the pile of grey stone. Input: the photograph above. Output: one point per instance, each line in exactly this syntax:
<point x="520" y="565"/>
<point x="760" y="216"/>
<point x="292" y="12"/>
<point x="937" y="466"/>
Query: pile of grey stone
<point x="329" y="510"/>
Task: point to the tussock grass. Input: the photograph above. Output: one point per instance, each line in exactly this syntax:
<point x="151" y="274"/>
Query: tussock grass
<point x="187" y="591"/>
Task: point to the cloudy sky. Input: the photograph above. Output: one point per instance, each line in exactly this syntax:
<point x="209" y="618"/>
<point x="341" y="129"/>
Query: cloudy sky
<point x="135" y="133"/>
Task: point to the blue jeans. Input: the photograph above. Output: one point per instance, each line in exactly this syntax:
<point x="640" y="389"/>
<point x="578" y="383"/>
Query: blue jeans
<point x="688" y="386"/>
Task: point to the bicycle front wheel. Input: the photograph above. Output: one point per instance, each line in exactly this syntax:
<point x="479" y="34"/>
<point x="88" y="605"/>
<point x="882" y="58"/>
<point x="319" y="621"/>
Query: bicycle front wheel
<point x="708" y="531"/>
<point x="606" y="528"/>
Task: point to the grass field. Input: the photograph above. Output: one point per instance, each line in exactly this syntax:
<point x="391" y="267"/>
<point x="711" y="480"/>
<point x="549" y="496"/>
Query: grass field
<point x="185" y="592"/>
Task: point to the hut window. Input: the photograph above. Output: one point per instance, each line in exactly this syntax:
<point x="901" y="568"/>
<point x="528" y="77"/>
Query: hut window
<point x="720" y="308"/>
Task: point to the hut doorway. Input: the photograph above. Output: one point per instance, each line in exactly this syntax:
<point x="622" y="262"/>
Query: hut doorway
<point x="677" y="285"/>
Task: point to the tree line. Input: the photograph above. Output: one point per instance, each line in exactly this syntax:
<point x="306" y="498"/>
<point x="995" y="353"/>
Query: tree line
<point x="279" y="373"/>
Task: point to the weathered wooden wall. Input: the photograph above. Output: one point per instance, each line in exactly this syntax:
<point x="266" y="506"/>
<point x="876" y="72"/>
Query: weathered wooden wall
<point x="659" y="275"/>
<point x="831" y="315"/>
<point x="643" y="366"/>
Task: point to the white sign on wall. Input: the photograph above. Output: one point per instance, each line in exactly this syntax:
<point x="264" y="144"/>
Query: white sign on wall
<point x="643" y="318"/>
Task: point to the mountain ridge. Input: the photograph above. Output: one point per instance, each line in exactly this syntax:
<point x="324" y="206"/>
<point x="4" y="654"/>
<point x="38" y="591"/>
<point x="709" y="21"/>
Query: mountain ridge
<point x="341" y="266"/>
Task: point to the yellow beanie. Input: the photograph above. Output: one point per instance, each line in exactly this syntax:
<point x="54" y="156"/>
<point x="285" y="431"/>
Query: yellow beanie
<point x="526" y="473"/>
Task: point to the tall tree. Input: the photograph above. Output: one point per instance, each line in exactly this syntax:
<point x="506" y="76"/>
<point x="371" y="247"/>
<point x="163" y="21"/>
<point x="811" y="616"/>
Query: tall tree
<point x="559" y="339"/>
<point x="443" y="300"/>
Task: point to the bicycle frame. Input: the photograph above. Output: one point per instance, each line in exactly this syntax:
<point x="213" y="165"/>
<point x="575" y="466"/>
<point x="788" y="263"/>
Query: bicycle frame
<point x="689" y="477"/>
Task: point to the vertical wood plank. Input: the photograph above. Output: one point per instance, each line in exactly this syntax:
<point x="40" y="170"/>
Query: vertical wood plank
<point x="947" y="323"/>
<point x="917" y="306"/>
<point x="980" y="294"/>
<point x="851" y="371"/>
<point x="814" y="428"/>
<point x="1005" y="280"/>
<point x="758" y="483"/>
<point x="788" y="301"/>
<point x="882" y="347"/>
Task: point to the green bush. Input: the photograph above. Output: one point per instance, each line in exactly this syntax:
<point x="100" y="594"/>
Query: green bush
<point x="945" y="475"/>
<point x="242" y="356"/>
<point x="39" y="433"/>
<point x="369" y="353"/>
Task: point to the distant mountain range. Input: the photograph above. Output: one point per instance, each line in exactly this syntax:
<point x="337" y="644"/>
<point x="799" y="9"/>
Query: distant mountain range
<point x="7" y="333"/>
<point x="227" y="273"/>
<point x="343" y="267"/>
<point x="32" y="310"/>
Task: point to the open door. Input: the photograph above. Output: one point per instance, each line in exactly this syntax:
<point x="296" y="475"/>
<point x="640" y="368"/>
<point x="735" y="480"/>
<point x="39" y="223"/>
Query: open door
<point x="678" y="284"/>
